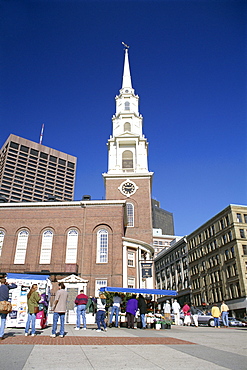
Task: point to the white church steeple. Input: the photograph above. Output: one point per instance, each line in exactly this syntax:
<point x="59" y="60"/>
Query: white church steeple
<point x="127" y="147"/>
<point x="126" y="74"/>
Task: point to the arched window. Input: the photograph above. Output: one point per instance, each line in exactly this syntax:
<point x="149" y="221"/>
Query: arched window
<point x="130" y="214"/>
<point x="71" y="250"/>
<point x="46" y="247"/>
<point x="102" y="246"/>
<point x="2" y="235"/>
<point x="127" y="127"/>
<point x="127" y="159"/>
<point x="127" y="105"/>
<point x="21" y="247"/>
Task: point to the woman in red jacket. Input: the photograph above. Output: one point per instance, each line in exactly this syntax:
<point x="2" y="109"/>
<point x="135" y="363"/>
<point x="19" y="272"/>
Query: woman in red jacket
<point x="186" y="311"/>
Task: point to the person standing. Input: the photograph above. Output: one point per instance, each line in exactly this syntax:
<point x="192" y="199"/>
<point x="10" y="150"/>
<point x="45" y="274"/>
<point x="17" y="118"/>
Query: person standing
<point x="186" y="311"/>
<point x="4" y="296"/>
<point x="59" y="308"/>
<point x="194" y="314"/>
<point x="100" y="315"/>
<point x="224" y="309"/>
<point x="131" y="308"/>
<point x="216" y="315"/>
<point x="81" y="303"/>
<point x="167" y="310"/>
<point x="176" y="311"/>
<point x="115" y="309"/>
<point x="33" y="299"/>
<point x="142" y="305"/>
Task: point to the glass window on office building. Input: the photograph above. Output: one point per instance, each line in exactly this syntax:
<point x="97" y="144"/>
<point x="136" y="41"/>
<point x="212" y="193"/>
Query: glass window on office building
<point x="239" y="217"/>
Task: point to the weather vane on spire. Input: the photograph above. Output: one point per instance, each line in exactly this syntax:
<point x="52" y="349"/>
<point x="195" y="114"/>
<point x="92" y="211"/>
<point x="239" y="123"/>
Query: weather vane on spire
<point x="125" y="45"/>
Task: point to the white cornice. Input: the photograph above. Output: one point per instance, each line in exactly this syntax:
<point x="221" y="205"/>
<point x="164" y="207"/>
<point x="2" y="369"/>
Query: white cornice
<point x="129" y="175"/>
<point x="82" y="204"/>
<point x="139" y="243"/>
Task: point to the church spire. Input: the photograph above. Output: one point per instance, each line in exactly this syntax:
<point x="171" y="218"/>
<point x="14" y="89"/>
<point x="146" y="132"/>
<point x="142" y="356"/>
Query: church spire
<point x="128" y="147"/>
<point x="126" y="73"/>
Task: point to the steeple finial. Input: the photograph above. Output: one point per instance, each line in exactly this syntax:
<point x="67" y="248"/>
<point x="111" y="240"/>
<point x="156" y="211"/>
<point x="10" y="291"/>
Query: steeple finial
<point x="126" y="73"/>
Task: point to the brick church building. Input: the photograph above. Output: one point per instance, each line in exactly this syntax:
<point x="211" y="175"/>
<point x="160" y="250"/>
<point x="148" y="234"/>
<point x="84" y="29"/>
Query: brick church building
<point x="104" y="242"/>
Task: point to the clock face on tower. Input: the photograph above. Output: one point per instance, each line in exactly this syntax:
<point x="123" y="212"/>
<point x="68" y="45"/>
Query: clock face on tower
<point x="128" y="188"/>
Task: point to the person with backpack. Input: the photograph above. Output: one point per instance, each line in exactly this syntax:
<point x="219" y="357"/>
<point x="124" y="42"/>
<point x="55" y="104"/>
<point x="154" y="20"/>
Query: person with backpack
<point x="100" y="315"/>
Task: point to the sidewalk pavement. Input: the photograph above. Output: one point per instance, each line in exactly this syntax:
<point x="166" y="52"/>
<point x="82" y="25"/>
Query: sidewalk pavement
<point x="179" y="348"/>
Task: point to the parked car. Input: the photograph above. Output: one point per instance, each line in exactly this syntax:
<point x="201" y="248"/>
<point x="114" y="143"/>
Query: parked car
<point x="207" y="319"/>
<point x="235" y="322"/>
<point x="203" y="319"/>
<point x="244" y="320"/>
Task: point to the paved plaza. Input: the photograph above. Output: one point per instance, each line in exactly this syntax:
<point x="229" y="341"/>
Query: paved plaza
<point x="179" y="348"/>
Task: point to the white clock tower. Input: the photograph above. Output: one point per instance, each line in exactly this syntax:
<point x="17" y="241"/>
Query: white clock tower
<point x="128" y="176"/>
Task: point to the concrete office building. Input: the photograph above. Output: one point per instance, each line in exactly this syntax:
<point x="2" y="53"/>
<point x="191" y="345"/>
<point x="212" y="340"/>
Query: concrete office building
<point x="162" y="219"/>
<point x="218" y="260"/>
<point x="33" y="172"/>
<point x="163" y="242"/>
<point x="172" y="270"/>
<point x="210" y="264"/>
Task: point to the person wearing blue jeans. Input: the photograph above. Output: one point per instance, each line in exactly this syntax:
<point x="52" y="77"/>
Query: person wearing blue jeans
<point x="142" y="305"/>
<point x="59" y="309"/>
<point x="31" y="319"/>
<point x="215" y="311"/>
<point x="100" y="315"/>
<point x="224" y="314"/>
<point x="33" y="299"/>
<point x="56" y="316"/>
<point x="81" y="312"/>
<point x="115" y="309"/>
<point x="3" y="323"/>
<point x="81" y="303"/>
<point x="4" y="296"/>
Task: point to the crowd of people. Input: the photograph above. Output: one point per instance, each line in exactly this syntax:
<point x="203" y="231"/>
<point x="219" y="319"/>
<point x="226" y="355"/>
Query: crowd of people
<point x="98" y="306"/>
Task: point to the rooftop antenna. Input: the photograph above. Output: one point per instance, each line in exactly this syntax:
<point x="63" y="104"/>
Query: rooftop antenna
<point x="41" y="133"/>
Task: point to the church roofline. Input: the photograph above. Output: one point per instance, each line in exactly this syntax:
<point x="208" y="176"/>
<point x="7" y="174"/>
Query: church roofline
<point x="63" y="204"/>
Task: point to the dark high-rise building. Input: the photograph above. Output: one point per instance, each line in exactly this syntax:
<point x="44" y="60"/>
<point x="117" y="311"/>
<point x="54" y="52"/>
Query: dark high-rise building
<point x="33" y="172"/>
<point x="162" y="219"/>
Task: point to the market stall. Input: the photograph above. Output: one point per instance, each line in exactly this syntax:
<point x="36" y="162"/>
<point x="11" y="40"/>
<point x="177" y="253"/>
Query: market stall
<point x="18" y="296"/>
<point x="154" y="318"/>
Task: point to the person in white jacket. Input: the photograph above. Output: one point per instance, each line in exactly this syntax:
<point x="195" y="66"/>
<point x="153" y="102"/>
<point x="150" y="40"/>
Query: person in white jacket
<point x="167" y="310"/>
<point x="100" y="315"/>
<point x="176" y="311"/>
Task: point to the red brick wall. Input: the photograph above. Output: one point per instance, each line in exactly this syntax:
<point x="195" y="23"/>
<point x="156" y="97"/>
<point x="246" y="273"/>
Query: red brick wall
<point x="142" y="203"/>
<point x="60" y="219"/>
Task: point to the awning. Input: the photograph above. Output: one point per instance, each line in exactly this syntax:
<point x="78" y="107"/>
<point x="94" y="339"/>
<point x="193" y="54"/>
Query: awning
<point x="138" y="291"/>
<point x="27" y="276"/>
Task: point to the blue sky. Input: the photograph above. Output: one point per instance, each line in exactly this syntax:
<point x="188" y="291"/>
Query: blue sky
<point x="62" y="64"/>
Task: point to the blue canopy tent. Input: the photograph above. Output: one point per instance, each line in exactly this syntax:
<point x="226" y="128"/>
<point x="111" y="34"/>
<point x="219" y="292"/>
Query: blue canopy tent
<point x="138" y="291"/>
<point x="27" y="276"/>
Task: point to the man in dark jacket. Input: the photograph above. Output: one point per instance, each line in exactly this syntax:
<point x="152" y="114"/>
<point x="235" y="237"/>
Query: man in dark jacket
<point x="4" y="296"/>
<point x="142" y="305"/>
